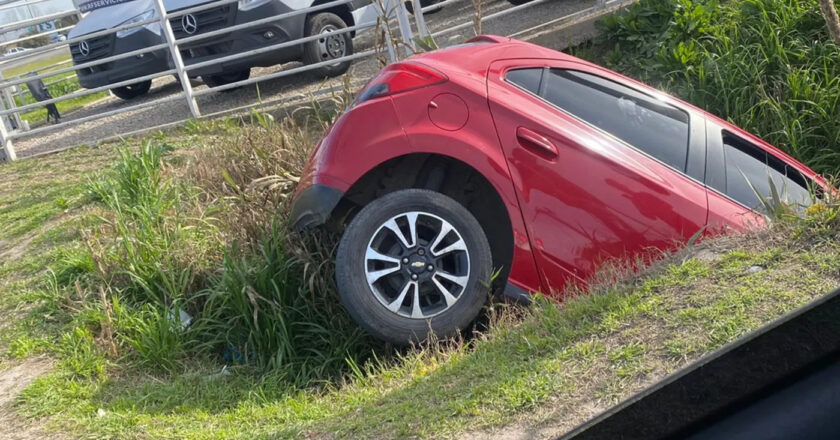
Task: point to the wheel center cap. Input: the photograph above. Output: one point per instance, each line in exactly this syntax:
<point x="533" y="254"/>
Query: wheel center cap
<point x="417" y="264"/>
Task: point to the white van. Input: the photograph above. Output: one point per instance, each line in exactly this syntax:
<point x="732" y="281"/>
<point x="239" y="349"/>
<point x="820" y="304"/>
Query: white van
<point x="219" y="17"/>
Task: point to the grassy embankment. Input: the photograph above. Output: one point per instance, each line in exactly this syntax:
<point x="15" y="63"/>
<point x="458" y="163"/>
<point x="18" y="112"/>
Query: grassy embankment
<point x="97" y="266"/>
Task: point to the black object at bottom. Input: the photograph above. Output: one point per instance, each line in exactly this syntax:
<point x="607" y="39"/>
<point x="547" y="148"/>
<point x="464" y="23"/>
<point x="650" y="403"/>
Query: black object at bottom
<point x="760" y="386"/>
<point x="40" y="92"/>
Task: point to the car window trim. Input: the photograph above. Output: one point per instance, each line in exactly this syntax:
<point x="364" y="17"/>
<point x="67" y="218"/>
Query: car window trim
<point x="691" y="118"/>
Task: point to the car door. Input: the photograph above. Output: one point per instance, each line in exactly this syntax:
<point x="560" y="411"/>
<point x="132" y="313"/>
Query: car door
<point x="602" y="170"/>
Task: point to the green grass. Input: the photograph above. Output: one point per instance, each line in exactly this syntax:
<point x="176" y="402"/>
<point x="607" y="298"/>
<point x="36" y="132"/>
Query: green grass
<point x="605" y="346"/>
<point x="64" y="107"/>
<point x="56" y="90"/>
<point x="104" y="249"/>
<point x="538" y="366"/>
<point x="45" y="64"/>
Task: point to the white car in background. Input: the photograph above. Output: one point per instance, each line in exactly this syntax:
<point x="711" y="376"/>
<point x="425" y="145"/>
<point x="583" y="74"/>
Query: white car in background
<point x="14" y="51"/>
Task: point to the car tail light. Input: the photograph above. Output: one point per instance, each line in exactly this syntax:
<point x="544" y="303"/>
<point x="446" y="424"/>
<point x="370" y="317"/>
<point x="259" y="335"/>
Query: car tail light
<point x="400" y="77"/>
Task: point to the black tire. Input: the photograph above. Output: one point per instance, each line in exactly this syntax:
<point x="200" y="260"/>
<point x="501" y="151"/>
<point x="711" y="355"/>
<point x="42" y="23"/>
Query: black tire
<point x="324" y="49"/>
<point x="132" y="91"/>
<point x="409" y="6"/>
<point x="226" y="78"/>
<point x="518" y="2"/>
<point x="352" y="269"/>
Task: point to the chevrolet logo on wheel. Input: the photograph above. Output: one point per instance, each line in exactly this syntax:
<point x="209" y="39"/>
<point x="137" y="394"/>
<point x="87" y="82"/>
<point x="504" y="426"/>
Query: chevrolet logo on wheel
<point x="418" y="264"/>
<point x="189" y="23"/>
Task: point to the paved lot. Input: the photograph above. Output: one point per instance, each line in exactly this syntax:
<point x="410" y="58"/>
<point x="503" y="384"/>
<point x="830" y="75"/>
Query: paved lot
<point x="289" y="88"/>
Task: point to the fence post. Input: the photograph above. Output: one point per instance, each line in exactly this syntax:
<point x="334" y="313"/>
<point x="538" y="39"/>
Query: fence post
<point x="422" y="30"/>
<point x="5" y="142"/>
<point x="386" y="31"/>
<point x="166" y="27"/>
<point x="10" y="101"/>
<point x="405" y="28"/>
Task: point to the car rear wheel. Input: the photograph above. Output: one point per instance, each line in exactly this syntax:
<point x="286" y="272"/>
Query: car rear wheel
<point x="413" y="262"/>
<point x="132" y="91"/>
<point x="226" y="78"/>
<point x="328" y="47"/>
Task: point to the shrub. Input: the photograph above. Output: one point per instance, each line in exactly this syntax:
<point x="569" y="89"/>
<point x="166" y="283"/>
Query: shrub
<point x="159" y="249"/>
<point x="215" y="246"/>
<point x="262" y="310"/>
<point x="767" y="66"/>
<point x="155" y="333"/>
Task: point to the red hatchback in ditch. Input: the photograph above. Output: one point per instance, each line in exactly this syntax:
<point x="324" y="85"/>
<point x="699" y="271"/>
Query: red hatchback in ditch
<point x="502" y="156"/>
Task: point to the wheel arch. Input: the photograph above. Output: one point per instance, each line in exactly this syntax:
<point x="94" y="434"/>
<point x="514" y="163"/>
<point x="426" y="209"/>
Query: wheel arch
<point x="446" y="175"/>
<point x="344" y="11"/>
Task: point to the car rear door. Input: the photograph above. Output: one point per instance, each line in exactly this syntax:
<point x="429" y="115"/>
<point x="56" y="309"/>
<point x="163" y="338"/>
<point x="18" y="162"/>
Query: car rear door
<point x="601" y="170"/>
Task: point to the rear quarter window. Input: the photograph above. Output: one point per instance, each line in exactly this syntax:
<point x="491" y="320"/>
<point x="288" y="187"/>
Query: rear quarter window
<point x="752" y="174"/>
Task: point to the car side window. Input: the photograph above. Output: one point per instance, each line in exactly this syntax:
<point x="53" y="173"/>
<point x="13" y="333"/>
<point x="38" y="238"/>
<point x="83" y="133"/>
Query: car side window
<point x="750" y="171"/>
<point x="646" y="123"/>
<point x="528" y="79"/>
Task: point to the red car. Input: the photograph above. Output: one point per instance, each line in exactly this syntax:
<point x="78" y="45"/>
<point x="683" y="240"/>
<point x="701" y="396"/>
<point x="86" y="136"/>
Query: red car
<point x="502" y="156"/>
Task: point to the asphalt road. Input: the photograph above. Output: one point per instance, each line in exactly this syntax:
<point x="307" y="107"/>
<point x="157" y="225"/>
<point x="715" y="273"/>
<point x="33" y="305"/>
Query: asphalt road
<point x="287" y="89"/>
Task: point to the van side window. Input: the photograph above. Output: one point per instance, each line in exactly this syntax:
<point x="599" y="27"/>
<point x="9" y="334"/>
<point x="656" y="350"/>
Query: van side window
<point x="644" y="122"/>
<point x="750" y="171"/>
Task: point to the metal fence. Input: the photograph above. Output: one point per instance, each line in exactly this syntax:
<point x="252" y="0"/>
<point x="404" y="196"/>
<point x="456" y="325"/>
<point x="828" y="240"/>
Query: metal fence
<point x="399" y="38"/>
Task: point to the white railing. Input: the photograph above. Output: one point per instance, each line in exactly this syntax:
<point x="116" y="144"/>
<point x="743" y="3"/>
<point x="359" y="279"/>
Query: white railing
<point x="389" y="12"/>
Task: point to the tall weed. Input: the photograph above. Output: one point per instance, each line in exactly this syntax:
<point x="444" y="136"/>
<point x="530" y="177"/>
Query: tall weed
<point x="208" y="241"/>
<point x="262" y="310"/>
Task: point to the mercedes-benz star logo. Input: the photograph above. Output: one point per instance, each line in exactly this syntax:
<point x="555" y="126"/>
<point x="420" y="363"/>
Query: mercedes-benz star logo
<point x="189" y="23"/>
<point x="84" y="48"/>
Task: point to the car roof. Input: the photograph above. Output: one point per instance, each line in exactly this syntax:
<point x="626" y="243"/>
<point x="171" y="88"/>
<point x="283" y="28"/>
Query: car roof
<point x="479" y="52"/>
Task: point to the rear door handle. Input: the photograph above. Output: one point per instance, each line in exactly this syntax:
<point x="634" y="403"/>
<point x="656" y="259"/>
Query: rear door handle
<point x="536" y="142"/>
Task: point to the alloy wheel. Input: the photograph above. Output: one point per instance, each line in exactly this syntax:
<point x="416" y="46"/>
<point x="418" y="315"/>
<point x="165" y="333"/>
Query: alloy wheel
<point x="417" y="265"/>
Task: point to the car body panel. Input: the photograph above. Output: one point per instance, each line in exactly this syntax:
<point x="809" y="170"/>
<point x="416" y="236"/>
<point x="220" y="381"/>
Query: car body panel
<point x="477" y="145"/>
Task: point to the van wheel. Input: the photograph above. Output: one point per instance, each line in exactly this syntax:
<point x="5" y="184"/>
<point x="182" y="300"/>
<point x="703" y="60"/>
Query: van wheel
<point x="413" y="262"/>
<point x="409" y="6"/>
<point x="132" y="91"/>
<point x="329" y="47"/>
<point x="226" y="78"/>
